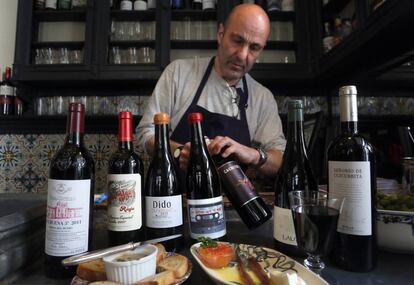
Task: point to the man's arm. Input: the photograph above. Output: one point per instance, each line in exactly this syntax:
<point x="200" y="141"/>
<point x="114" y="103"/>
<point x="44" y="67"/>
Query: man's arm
<point x="247" y="155"/>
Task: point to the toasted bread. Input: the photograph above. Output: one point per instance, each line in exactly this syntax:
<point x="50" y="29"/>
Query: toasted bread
<point x="162" y="278"/>
<point x="176" y="263"/>
<point x="162" y="253"/>
<point x="92" y="271"/>
<point x="104" y="283"/>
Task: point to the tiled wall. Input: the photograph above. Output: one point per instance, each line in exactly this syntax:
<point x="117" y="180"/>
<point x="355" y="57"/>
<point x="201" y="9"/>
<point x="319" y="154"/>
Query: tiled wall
<point x="25" y="160"/>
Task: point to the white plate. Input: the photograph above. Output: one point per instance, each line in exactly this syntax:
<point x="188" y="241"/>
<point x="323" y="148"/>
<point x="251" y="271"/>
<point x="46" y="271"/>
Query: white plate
<point x="269" y="259"/>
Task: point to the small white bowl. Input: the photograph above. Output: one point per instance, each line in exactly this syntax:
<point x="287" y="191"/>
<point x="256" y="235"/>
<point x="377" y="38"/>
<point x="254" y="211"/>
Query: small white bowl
<point x="128" y="272"/>
<point x="396" y="231"/>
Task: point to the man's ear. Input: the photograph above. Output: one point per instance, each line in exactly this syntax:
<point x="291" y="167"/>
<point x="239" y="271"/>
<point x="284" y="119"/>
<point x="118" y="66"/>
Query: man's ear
<point x="220" y="32"/>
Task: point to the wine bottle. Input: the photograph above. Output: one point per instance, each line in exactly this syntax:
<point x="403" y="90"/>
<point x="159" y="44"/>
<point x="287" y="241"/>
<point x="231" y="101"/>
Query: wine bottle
<point x="64" y="4"/>
<point x="204" y="199"/>
<point x="125" y="181"/>
<point x="295" y="174"/>
<point x="241" y="193"/>
<point x="126" y="5"/>
<point x="197" y="4"/>
<point x="163" y="195"/>
<point x="69" y="198"/>
<point x="6" y="95"/>
<point x="177" y="4"/>
<point x="209" y="4"/>
<point x="51" y="4"/>
<point x="351" y="174"/>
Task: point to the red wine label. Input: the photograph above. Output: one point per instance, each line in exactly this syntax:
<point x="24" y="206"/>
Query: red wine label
<point x="67" y="217"/>
<point x="164" y="212"/>
<point x="206" y="217"/>
<point x="238" y="187"/>
<point x="124" y="202"/>
<point x="352" y="181"/>
<point x="283" y="227"/>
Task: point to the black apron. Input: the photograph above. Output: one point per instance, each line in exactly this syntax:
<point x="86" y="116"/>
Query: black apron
<point x="216" y="124"/>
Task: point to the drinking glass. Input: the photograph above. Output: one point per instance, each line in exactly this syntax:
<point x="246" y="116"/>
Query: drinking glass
<point x="315" y="217"/>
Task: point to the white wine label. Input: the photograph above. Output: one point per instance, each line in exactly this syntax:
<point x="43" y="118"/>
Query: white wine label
<point x="283" y="228"/>
<point x="206" y="217"/>
<point x="164" y="212"/>
<point x="352" y="180"/>
<point x="67" y="217"/>
<point x="124" y="202"/>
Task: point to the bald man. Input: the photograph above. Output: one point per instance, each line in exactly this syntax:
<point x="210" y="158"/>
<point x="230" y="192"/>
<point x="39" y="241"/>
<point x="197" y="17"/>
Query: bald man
<point x="240" y="115"/>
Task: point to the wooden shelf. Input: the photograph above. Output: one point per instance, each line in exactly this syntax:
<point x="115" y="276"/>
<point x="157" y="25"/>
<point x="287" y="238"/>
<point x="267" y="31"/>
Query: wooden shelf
<point x="379" y="41"/>
<point x="29" y="124"/>
<point x="194" y="15"/>
<point x="133" y="15"/>
<point x="137" y="43"/>
<point x="59" y="15"/>
<point x="193" y="44"/>
<point x="71" y="45"/>
<point x="283" y="16"/>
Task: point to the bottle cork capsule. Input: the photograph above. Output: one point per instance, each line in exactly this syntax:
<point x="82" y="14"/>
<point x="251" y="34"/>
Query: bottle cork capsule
<point x="161" y="118"/>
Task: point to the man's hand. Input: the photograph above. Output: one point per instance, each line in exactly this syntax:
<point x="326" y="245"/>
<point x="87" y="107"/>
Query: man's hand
<point x="227" y="146"/>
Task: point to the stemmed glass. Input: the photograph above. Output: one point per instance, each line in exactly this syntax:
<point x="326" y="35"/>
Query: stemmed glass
<point x="315" y="217"/>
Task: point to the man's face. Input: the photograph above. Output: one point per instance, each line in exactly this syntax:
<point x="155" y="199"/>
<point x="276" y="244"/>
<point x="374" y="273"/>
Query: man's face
<point x="240" y="43"/>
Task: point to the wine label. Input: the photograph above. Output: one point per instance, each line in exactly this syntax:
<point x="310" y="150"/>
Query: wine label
<point x="124" y="202"/>
<point x="164" y="212"/>
<point x="206" y="217"/>
<point x="6" y="90"/>
<point x="67" y="217"/>
<point x="240" y="190"/>
<point x="352" y="180"/>
<point x="283" y="227"/>
<point x="126" y="5"/>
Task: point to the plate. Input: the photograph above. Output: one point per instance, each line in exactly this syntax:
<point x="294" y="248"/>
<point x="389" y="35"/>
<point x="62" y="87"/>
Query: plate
<point x="79" y="281"/>
<point x="268" y="258"/>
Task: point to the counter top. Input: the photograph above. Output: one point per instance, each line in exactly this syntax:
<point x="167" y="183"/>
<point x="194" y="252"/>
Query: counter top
<point x="391" y="269"/>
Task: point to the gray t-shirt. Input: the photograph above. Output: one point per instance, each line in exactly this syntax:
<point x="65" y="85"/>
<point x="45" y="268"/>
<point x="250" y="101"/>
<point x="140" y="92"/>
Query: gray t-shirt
<point x="177" y="87"/>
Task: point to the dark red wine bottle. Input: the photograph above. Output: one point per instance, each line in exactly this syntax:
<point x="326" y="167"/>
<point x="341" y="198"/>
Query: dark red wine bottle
<point x="295" y="174"/>
<point x="125" y="183"/>
<point x="241" y="193"/>
<point x="6" y="95"/>
<point x="204" y="198"/>
<point x="351" y="174"/>
<point x="69" y="198"/>
<point x="163" y="195"/>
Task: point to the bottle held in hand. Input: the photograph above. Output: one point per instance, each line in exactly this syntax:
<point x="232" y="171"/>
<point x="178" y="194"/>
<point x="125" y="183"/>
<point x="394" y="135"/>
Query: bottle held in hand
<point x="204" y="199"/>
<point x="69" y="198"/>
<point x="351" y="175"/>
<point x="241" y="193"/>
<point x="124" y="186"/>
<point x="295" y="174"/>
<point x="163" y="196"/>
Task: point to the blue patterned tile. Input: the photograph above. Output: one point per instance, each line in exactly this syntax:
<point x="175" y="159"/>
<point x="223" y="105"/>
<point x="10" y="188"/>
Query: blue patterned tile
<point x="30" y="180"/>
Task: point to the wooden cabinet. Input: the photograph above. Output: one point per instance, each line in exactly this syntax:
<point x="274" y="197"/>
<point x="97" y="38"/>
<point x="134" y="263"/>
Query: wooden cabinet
<point x="113" y="45"/>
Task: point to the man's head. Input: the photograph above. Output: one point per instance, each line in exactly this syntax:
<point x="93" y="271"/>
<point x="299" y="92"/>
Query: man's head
<point x="241" y="39"/>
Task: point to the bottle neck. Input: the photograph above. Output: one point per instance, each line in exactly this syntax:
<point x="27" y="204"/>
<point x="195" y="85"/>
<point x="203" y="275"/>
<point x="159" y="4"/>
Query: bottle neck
<point x="295" y="128"/>
<point x="197" y="138"/>
<point x="75" y="128"/>
<point x="125" y="137"/>
<point x="162" y="142"/>
<point x="349" y="114"/>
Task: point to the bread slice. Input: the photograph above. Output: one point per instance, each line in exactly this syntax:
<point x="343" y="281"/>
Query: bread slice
<point x="176" y="263"/>
<point x="105" y="283"/>
<point x="92" y="271"/>
<point x="162" y="253"/>
<point x="162" y="278"/>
